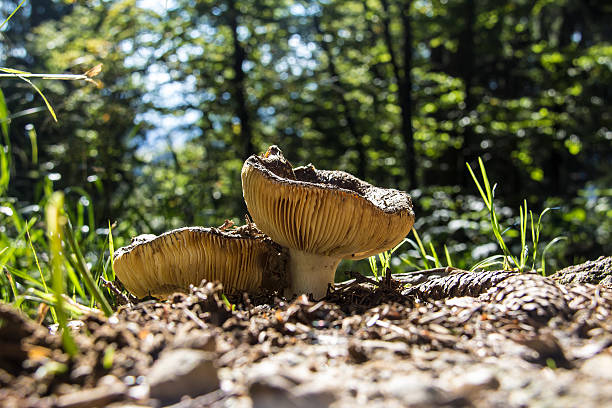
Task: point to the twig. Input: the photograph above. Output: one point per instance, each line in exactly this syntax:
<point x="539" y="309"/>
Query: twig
<point x="125" y="299"/>
<point x="96" y="397"/>
<point x="196" y="319"/>
<point x="65" y="77"/>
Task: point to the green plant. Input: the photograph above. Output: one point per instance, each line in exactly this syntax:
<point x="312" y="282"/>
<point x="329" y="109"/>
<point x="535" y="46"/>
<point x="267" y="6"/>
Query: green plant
<point x="57" y="280"/>
<point x="384" y="258"/>
<point x="508" y="260"/>
<point x="66" y="267"/>
<point x="55" y="225"/>
<point x="428" y="260"/>
<point x="385" y="261"/>
<point x="25" y="76"/>
<point x="230" y="306"/>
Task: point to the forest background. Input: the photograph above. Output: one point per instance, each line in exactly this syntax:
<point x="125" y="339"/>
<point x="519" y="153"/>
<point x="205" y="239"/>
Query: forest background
<point x="401" y="93"/>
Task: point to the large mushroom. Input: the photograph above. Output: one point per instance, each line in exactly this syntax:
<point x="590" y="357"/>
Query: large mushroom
<point x="242" y="259"/>
<point x="321" y="216"/>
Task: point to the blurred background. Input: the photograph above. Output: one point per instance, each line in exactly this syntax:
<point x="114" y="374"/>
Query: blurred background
<point x="401" y="93"/>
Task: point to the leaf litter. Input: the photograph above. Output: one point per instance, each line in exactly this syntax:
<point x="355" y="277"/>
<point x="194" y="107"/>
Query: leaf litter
<point x="436" y="338"/>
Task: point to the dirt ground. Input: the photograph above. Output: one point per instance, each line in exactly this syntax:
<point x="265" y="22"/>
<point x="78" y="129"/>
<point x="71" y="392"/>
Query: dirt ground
<point x="442" y="337"/>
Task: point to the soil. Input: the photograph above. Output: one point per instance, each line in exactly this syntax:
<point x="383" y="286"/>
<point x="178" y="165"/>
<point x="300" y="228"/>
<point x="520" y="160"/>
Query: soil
<point x="442" y="337"/>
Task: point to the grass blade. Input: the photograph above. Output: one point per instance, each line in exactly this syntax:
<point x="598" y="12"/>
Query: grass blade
<point x="546" y="248"/>
<point x="4" y="117"/>
<point x="6" y="255"/>
<point x="49" y="107"/>
<point x="523" y="231"/>
<point x="55" y="223"/>
<point x="111" y="250"/>
<point x="492" y="260"/>
<point x="73" y="277"/>
<point x="81" y="267"/>
<point x="11" y="283"/>
<point x="373" y="265"/>
<point x="395" y="248"/>
<point x="482" y="193"/>
<point x="33" y="142"/>
<point x="487" y="185"/>
<point x="26" y="277"/>
<point x="449" y="261"/>
<point x="437" y="262"/>
<point x="421" y="248"/>
<point x="6" y="20"/>
<point x="5" y="168"/>
<point x="42" y="278"/>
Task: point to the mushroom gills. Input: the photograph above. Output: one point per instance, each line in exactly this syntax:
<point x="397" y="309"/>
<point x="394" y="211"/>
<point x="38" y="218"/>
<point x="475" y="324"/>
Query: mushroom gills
<point x="321" y="216"/>
<point x="241" y="260"/>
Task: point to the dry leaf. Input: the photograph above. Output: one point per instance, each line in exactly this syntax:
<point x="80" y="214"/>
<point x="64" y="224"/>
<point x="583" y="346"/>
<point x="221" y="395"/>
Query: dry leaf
<point x="90" y="73"/>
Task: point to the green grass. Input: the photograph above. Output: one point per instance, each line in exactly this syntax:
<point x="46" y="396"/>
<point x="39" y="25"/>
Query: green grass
<point x="48" y="266"/>
<point x="507" y="259"/>
<point x="57" y="282"/>
<point x="55" y="227"/>
<point x="42" y="255"/>
<point x="425" y="260"/>
<point x="528" y="230"/>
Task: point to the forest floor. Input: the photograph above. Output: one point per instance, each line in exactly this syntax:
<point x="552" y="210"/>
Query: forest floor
<point x="450" y="338"/>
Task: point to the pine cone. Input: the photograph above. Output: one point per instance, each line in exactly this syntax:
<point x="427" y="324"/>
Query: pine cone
<point x="528" y="296"/>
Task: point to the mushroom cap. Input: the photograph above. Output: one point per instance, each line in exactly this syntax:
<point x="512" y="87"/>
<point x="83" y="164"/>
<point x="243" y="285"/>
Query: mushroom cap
<point x="242" y="259"/>
<point x="326" y="212"/>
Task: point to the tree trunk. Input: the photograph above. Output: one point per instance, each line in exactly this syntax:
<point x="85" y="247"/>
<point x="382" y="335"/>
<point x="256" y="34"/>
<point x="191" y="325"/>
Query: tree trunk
<point x="406" y="95"/>
<point x="238" y="85"/>
<point x="466" y="65"/>
<point x="404" y="84"/>
<point x="350" y="120"/>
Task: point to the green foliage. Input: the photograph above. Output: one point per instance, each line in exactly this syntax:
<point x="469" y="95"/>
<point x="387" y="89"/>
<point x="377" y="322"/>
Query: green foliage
<point x="56" y="220"/>
<point x="56" y="278"/>
<point x="190" y="88"/>
<point x="385" y="261"/>
<point x="509" y="260"/>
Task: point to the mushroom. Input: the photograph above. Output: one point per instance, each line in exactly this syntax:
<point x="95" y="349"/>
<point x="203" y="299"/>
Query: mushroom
<point x="242" y="259"/>
<point x="321" y="216"/>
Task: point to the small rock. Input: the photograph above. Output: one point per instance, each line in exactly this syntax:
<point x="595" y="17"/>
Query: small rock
<point x="139" y="392"/>
<point x="415" y="391"/>
<point x="476" y="381"/>
<point x="182" y="372"/>
<point x="272" y="391"/>
<point x="593" y="348"/>
<point x="314" y="398"/>
<point x="320" y="391"/>
<point x="111" y="381"/>
<point x="100" y="396"/>
<point x="81" y="372"/>
<point x="193" y="339"/>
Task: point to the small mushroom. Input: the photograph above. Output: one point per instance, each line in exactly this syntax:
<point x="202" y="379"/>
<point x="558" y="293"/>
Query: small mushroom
<point x="242" y="259"/>
<point x="321" y="216"/>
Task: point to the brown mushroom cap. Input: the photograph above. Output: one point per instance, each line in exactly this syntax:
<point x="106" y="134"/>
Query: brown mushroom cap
<point x="242" y="259"/>
<point x="326" y="212"/>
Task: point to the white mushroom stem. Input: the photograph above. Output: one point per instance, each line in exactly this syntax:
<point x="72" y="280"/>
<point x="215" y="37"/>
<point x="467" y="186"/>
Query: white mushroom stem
<point x="310" y="273"/>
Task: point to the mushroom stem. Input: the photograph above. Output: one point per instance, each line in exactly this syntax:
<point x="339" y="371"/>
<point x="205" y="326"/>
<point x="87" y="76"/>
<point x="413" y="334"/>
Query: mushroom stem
<point x="310" y="273"/>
